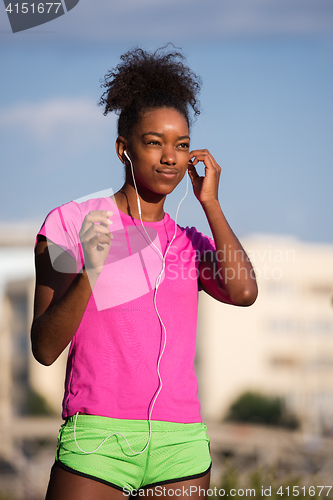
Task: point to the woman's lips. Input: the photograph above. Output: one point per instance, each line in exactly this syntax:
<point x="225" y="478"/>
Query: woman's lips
<point x="168" y="173"/>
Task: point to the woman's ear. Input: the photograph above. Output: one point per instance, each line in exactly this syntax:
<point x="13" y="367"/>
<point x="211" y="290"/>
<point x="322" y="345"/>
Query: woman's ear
<point x="121" y="146"/>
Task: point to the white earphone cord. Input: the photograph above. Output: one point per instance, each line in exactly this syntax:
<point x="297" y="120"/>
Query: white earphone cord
<point x="157" y="284"/>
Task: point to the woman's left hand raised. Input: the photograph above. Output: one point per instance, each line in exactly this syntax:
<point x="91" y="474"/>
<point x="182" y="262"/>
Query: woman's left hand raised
<point x="205" y="187"/>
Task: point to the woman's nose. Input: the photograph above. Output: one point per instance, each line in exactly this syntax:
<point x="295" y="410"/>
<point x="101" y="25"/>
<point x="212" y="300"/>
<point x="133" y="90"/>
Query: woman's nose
<point x="168" y="156"/>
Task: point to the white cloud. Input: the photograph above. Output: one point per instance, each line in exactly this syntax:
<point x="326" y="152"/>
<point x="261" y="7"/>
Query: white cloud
<point x="69" y="122"/>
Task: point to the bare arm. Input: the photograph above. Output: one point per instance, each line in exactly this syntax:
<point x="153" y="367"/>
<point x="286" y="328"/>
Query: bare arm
<point x="227" y="274"/>
<point x="61" y="295"/>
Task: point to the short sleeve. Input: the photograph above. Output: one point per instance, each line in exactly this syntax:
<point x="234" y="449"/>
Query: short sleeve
<point x="62" y="226"/>
<point x="201" y="243"/>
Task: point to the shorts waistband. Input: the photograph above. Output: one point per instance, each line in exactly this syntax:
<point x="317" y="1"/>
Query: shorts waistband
<point x="115" y="424"/>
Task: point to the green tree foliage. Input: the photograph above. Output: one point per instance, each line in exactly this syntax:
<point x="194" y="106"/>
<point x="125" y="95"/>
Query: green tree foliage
<point x="37" y="405"/>
<point x="253" y="407"/>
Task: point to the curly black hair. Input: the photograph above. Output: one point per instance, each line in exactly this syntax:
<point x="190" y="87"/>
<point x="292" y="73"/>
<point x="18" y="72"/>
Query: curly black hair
<point x="145" y="80"/>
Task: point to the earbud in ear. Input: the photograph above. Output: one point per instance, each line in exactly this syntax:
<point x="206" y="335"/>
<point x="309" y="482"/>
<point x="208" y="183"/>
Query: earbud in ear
<point x="125" y="153"/>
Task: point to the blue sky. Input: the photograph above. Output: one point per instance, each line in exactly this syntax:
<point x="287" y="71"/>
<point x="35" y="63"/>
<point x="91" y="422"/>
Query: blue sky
<point x="267" y="107"/>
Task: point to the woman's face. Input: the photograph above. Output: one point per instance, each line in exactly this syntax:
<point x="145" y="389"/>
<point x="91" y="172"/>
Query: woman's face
<point x="159" y="150"/>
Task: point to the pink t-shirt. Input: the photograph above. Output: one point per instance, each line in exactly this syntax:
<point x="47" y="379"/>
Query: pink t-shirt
<point x="112" y="362"/>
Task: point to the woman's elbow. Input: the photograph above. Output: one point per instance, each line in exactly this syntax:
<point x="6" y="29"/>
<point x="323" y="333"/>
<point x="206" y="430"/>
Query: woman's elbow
<point x="40" y="352"/>
<point x="246" y="297"/>
<point x="42" y="357"/>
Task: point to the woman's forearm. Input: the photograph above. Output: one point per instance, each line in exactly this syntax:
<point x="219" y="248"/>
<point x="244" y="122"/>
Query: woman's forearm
<point x="234" y="267"/>
<point x="54" y="329"/>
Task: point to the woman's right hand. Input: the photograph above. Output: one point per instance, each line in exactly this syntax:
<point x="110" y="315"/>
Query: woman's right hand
<point x="96" y="238"/>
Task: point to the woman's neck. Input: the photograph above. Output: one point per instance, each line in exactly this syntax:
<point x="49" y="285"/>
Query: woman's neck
<point x="151" y="209"/>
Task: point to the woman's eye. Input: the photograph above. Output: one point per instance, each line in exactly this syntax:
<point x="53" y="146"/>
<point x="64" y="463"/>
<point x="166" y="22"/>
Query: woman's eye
<point x="153" y="142"/>
<point x="184" y="145"/>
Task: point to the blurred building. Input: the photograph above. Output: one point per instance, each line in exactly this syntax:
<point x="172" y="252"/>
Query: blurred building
<point x="30" y="394"/>
<point x="283" y="344"/>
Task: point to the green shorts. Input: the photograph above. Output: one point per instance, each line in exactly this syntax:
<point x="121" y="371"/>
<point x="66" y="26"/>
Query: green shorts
<point x="176" y="452"/>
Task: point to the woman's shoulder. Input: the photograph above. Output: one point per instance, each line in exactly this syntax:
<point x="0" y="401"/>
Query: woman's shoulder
<point x="198" y="240"/>
<point x="67" y="219"/>
<point x="77" y="208"/>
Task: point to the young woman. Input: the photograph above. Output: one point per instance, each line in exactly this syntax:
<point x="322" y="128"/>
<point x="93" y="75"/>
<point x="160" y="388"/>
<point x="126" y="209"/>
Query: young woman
<point x="119" y="279"/>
